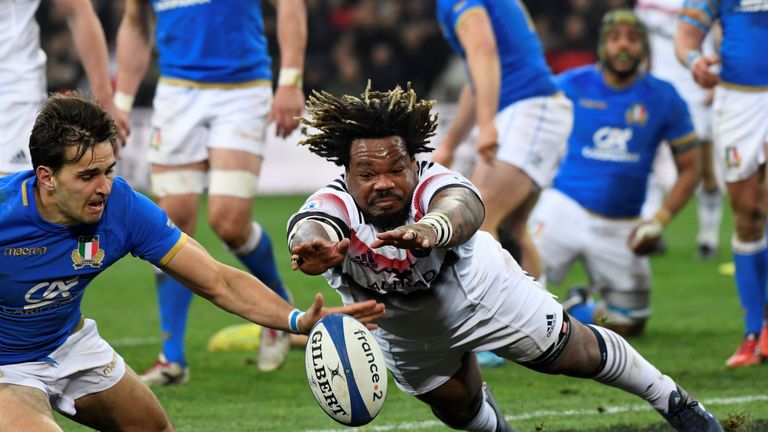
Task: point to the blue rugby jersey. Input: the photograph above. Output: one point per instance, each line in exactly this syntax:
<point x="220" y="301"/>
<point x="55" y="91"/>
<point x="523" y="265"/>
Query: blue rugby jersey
<point x="524" y="73"/>
<point x="744" y="49"/>
<point x="45" y="267"/>
<point x="616" y="133"/>
<point x="212" y="41"/>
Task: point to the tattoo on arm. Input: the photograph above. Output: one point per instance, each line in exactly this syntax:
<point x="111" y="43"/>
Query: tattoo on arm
<point x="464" y="209"/>
<point x="306" y="231"/>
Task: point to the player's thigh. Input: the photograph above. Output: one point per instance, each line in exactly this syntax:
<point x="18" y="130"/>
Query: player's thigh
<point x="559" y="229"/>
<point x="127" y="406"/>
<point x="623" y="278"/>
<point x="15" y="128"/>
<point x="458" y="397"/>
<point x="25" y="409"/>
<point x="740" y="131"/>
<point x="504" y="188"/>
<point x="533" y="134"/>
<point x="177" y="189"/>
<point x="179" y="126"/>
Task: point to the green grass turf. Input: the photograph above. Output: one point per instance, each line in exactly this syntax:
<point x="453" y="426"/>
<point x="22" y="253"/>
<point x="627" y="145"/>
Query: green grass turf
<point x="695" y="326"/>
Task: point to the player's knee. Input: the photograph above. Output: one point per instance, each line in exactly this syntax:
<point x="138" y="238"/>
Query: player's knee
<point x="231" y="228"/>
<point x="458" y="414"/>
<point x="627" y="322"/>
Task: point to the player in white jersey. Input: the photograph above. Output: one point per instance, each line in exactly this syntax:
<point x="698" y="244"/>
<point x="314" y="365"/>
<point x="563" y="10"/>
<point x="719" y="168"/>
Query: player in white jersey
<point x="405" y="233"/>
<point x="660" y="18"/>
<point x="740" y="132"/>
<point x="22" y="72"/>
<point x="211" y="112"/>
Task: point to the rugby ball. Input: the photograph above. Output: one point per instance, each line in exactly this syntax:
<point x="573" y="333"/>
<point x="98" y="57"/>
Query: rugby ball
<point x="346" y="370"/>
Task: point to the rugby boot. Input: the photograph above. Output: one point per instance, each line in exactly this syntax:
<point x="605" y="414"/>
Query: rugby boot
<point x="764" y="342"/>
<point x="164" y="373"/>
<point x="686" y="414"/>
<point x="746" y="354"/>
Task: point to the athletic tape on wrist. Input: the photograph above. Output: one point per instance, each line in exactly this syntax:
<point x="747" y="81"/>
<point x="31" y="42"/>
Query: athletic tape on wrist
<point x="442" y="226"/>
<point x="693" y="55"/>
<point x="291" y="77"/>
<point x="293" y="320"/>
<point x="123" y="101"/>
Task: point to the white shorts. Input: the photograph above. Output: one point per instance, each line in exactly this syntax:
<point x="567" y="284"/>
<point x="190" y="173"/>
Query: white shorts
<point x="701" y="115"/>
<point x="16" y="123"/>
<point x="740" y="131"/>
<point x="563" y="232"/>
<point x="84" y="364"/>
<point x="533" y="135"/>
<point x="425" y="334"/>
<point x="189" y="120"/>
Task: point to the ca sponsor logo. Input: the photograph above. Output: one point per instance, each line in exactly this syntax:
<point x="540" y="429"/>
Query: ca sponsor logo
<point x="46" y="293"/>
<point x="611" y="144"/>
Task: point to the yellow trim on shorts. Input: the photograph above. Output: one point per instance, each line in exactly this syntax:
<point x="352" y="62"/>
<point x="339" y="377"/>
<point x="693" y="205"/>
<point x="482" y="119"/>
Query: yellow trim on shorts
<point x="79" y="325"/>
<point x="744" y="88"/>
<point x="466" y="13"/>
<point x="207" y="85"/>
<point x="685" y="139"/>
<point x="174" y="250"/>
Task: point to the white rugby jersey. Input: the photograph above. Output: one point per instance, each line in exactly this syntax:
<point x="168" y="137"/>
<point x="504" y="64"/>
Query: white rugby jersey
<point x="22" y="61"/>
<point x="475" y="264"/>
<point x="661" y="17"/>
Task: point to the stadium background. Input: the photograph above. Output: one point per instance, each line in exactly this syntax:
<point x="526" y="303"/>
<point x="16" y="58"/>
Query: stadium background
<point x="696" y="310"/>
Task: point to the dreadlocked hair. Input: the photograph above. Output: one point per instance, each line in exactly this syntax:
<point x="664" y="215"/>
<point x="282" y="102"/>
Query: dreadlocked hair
<point x="373" y="115"/>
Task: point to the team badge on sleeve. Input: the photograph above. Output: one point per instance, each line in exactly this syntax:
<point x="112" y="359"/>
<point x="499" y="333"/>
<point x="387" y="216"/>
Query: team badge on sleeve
<point x="87" y="253"/>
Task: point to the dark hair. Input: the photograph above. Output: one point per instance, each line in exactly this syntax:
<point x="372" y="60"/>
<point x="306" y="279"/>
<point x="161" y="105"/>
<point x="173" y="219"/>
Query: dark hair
<point x="373" y="115"/>
<point x="67" y="120"/>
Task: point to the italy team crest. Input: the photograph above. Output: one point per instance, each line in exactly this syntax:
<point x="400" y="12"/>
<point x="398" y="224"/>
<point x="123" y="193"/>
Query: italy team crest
<point x="732" y="157"/>
<point x="87" y="253"/>
<point x="637" y="114"/>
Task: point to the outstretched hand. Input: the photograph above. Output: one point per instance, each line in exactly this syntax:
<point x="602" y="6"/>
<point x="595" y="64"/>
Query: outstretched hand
<point x="415" y="236"/>
<point x="487" y="143"/>
<point x="366" y="312"/>
<point x="644" y="237"/>
<point x="318" y="255"/>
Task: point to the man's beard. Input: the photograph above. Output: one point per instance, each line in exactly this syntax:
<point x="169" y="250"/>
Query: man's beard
<point x="389" y="221"/>
<point x="623" y="75"/>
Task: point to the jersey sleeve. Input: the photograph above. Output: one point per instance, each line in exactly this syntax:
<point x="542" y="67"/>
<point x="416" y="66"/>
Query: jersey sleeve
<point x="332" y="207"/>
<point x="453" y="11"/>
<point x="699" y="13"/>
<point x="153" y="237"/>
<point x="679" y="131"/>
<point x="434" y="178"/>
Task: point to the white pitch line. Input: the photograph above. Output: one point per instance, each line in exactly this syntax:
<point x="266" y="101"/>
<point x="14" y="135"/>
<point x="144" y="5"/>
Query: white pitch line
<point x="419" y="425"/>
<point x="134" y="341"/>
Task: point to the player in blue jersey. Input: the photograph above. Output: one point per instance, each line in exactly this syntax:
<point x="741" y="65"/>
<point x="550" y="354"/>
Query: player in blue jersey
<point x="61" y="225"/>
<point x="211" y="112"/>
<point x="523" y="120"/>
<point x="622" y="114"/>
<point x="406" y="233"/>
<point x="740" y="135"/>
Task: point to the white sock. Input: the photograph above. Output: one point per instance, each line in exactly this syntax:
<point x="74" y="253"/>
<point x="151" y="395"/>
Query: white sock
<point x="624" y="368"/>
<point x="710" y="212"/>
<point x="251" y="243"/>
<point x="485" y="420"/>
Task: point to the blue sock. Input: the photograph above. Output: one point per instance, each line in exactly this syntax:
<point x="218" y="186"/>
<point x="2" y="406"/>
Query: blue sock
<point x="174" y="300"/>
<point x="261" y="262"/>
<point x="751" y="261"/>
<point x="584" y="312"/>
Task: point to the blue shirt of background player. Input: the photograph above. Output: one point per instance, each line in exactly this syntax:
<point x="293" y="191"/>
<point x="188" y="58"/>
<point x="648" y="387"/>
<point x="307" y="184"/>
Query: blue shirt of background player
<point x="44" y="267"/>
<point x="524" y="73"/>
<point x="212" y="41"/>
<point x="744" y="49"/>
<point x="615" y="136"/>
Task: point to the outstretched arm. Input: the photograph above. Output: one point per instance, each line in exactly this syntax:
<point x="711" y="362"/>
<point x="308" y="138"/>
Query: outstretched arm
<point x="242" y="294"/>
<point x="454" y="215"/>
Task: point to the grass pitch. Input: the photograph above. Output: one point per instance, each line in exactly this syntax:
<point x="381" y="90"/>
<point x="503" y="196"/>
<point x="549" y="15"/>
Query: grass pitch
<point x="696" y="325"/>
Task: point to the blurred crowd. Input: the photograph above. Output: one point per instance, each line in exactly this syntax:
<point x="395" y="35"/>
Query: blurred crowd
<point x="389" y="41"/>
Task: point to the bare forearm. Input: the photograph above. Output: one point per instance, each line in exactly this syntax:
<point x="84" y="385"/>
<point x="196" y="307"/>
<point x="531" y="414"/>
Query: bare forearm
<point x="91" y="46"/>
<point x="292" y="32"/>
<point x="463" y="208"/>
<point x="688" y="176"/>
<point x="687" y="39"/>
<point x="133" y="48"/>
<point x="463" y="121"/>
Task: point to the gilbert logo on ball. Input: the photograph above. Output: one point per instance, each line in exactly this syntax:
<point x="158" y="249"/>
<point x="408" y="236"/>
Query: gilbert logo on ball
<point x="346" y="370"/>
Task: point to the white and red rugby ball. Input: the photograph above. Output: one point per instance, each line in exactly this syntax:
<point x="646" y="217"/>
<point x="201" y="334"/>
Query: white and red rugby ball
<point x="346" y="370"/>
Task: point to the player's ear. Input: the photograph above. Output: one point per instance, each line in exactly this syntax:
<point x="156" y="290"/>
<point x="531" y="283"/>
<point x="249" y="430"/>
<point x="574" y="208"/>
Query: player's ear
<point x="45" y="177"/>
